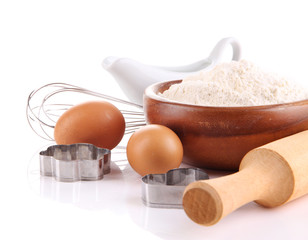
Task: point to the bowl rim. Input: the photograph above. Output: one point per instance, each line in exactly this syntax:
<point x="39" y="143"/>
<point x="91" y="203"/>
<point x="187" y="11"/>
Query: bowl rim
<point x="149" y="92"/>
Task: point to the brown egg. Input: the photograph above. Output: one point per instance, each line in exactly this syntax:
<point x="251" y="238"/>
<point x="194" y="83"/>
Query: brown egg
<point x="154" y="149"/>
<point x="99" y="123"/>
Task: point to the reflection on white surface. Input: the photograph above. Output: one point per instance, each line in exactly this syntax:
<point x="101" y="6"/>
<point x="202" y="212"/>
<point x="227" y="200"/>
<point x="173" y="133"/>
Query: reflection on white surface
<point x="84" y="194"/>
<point x="119" y="193"/>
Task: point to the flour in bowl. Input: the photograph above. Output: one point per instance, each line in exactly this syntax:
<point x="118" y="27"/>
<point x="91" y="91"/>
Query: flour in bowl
<point x="235" y="84"/>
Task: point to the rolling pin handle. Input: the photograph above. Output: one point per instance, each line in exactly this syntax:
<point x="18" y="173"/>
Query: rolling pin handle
<point x="207" y="201"/>
<point x="267" y="175"/>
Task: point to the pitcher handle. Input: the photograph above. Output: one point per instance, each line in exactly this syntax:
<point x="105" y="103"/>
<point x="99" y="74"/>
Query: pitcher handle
<point x="217" y="52"/>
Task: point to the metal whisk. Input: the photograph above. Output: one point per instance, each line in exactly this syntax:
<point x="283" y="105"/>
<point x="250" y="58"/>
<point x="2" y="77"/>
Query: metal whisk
<point x="43" y="109"/>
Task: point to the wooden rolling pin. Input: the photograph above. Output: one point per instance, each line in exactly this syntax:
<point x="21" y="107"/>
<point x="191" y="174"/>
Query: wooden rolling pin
<point x="270" y="175"/>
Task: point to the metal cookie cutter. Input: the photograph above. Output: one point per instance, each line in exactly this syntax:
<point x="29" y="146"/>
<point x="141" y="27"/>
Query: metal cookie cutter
<point x="75" y="162"/>
<point x="166" y="190"/>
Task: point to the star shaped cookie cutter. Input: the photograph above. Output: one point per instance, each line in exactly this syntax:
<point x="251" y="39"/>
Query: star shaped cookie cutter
<point x="75" y="162"/>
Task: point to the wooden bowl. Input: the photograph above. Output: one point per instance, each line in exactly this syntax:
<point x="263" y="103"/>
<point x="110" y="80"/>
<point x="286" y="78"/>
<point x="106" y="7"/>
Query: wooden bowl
<point x="219" y="137"/>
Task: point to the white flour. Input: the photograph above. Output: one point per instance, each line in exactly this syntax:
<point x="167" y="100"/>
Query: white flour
<point x="235" y="84"/>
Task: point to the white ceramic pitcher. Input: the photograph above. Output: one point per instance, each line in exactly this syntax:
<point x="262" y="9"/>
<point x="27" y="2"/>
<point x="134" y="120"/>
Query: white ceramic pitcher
<point x="134" y="77"/>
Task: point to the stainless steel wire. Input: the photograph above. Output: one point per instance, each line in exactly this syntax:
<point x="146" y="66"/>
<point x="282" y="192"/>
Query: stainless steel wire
<point x="45" y="106"/>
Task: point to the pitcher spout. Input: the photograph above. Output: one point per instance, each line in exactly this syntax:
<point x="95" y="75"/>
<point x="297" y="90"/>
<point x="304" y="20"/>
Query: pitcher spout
<point x="109" y="61"/>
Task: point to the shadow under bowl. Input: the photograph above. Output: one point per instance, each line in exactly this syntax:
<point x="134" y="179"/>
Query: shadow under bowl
<point x="219" y="137"/>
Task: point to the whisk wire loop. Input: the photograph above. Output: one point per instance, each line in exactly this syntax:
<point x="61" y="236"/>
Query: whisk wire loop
<point x="42" y="113"/>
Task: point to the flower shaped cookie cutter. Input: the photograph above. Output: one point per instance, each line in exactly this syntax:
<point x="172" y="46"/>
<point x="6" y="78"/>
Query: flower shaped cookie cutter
<point x="75" y="162"/>
<point x="166" y="190"/>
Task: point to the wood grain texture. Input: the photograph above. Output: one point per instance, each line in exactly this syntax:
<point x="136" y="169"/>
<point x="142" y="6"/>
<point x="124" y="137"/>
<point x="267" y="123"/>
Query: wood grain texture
<point x="271" y="175"/>
<point x="219" y="137"/>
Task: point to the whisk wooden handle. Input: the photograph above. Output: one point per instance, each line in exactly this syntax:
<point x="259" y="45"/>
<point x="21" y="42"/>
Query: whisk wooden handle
<point x="270" y="175"/>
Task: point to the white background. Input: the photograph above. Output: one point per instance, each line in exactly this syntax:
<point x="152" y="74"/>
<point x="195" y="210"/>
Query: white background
<point x="65" y="41"/>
